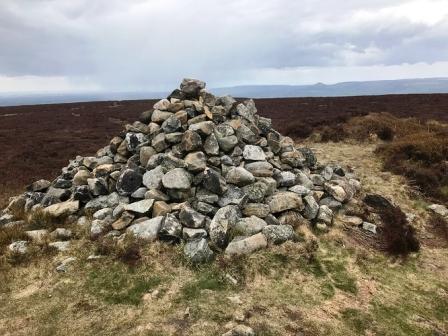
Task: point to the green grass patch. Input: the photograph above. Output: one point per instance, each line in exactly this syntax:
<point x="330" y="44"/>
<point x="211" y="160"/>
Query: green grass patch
<point x="340" y="276"/>
<point x="120" y="284"/>
<point x="356" y="320"/>
<point x="210" y="279"/>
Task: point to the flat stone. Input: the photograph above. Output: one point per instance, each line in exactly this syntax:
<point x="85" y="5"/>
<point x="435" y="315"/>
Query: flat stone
<point x="62" y="209"/>
<point x="140" y="207"/>
<point x="247" y="245"/>
<point x="256" y="209"/>
<point x="125" y="219"/>
<point x="147" y="229"/>
<point x="369" y="227"/>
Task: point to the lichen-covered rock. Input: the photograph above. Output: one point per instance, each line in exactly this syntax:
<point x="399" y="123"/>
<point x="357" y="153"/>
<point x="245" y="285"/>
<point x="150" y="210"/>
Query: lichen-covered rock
<point x="278" y="234"/>
<point x="285" y="200"/>
<point x="146" y="229"/>
<point x="247" y="245"/>
<point x="198" y="251"/>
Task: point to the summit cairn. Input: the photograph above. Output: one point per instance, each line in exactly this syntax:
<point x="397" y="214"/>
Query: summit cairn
<point x="197" y="169"/>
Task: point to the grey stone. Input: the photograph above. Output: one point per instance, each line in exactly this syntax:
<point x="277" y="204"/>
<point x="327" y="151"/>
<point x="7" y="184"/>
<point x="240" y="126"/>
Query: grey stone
<point x="128" y="182"/>
<point x="61" y="246"/>
<point x="227" y="143"/>
<point x="98" y="186"/>
<point x="156" y="195"/>
<point x="171" y="228"/>
<point x="40" y="185"/>
<point x="233" y="195"/>
<point x="239" y="176"/>
<point x="203" y="128"/>
<point x="189" y="233"/>
<point x="439" y="209"/>
<point x="285" y="179"/>
<point x="140" y="207"/>
<point x="336" y="191"/>
<point x="247" y="245"/>
<point x="249" y="225"/>
<point x="103" y="213"/>
<point x="158" y="143"/>
<point x="191" y="87"/>
<point x="147" y="229"/>
<point x="214" y="182"/>
<point x="191" y="218"/>
<point x="369" y="227"/>
<point x="139" y="193"/>
<point x="134" y="141"/>
<point x="177" y="178"/>
<point x="224" y="219"/>
<point x="62" y="209"/>
<point x="160" y="116"/>
<point x="171" y="125"/>
<point x="145" y="154"/>
<point x="152" y="179"/>
<point x="278" y="234"/>
<point x="198" y="251"/>
<point x="300" y="190"/>
<point x="211" y="146"/>
<point x="256" y="191"/>
<point x="325" y="215"/>
<point x="19" y="247"/>
<point x="253" y="153"/>
<point x="311" y="207"/>
<point x="260" y="168"/>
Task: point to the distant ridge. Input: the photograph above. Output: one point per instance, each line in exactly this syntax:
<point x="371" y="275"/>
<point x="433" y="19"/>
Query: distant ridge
<point x="382" y="87"/>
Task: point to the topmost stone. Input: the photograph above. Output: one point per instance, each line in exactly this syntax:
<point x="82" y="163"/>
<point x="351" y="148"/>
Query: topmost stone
<point x="191" y="87"/>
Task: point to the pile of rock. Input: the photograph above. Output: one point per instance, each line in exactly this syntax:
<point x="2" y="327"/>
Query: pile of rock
<point x="199" y="169"/>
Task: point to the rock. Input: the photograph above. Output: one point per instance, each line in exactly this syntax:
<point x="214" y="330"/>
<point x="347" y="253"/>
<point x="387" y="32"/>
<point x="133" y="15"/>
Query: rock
<point x="211" y="146"/>
<point x="177" y="178"/>
<point x="99" y="227"/>
<point x="152" y="179"/>
<point x="286" y="179"/>
<point x="253" y="153"/>
<point x="291" y="217"/>
<point x="81" y="177"/>
<point x="160" y="208"/>
<point x="140" y="207"/>
<point x="6" y="218"/>
<point x="239" y="176"/>
<point x="62" y="209"/>
<point x="125" y="220"/>
<point x="198" y="251"/>
<point x="352" y="220"/>
<point x="147" y="229"/>
<point x="40" y="185"/>
<point x="103" y="213"/>
<point x="171" y="125"/>
<point x="311" y="207"/>
<point x="98" y="186"/>
<point x="171" y="229"/>
<point x="247" y="245"/>
<point x="37" y="236"/>
<point x="214" y="182"/>
<point x="256" y="209"/>
<point x="285" y="200"/>
<point x="189" y="234"/>
<point x="233" y="195"/>
<point x="162" y="105"/>
<point x="62" y="266"/>
<point x="61" y="233"/>
<point x="300" y="190"/>
<point x="249" y="225"/>
<point x="158" y="143"/>
<point x="196" y="161"/>
<point x="139" y="193"/>
<point x="260" y="168"/>
<point x="146" y="153"/>
<point x="19" y="247"/>
<point x="203" y="128"/>
<point x="160" y="116"/>
<point x="224" y="219"/>
<point x="240" y="330"/>
<point x="439" y="209"/>
<point x="336" y="191"/>
<point x="369" y="227"/>
<point x="135" y="141"/>
<point x="256" y="191"/>
<point x="278" y="234"/>
<point x="325" y="215"/>
<point x="191" y="87"/>
<point x="191" y="218"/>
<point x="61" y="246"/>
<point x="191" y="141"/>
<point x="128" y="182"/>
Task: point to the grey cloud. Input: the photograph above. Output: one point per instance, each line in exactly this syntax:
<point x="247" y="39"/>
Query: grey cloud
<point x="151" y="44"/>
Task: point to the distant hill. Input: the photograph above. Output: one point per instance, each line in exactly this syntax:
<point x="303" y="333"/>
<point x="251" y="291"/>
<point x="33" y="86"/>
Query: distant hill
<point x="383" y="87"/>
<point x="402" y="86"/>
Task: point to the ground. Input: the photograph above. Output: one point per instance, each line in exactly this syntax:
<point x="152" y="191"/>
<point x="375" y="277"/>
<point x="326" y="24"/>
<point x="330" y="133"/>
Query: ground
<point x="338" y="286"/>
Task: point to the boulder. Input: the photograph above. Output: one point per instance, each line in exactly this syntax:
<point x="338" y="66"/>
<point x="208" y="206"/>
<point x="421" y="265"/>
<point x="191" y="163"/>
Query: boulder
<point x="247" y="245"/>
<point x="146" y="229"/>
<point x="198" y="251"/>
<point x="278" y="234"/>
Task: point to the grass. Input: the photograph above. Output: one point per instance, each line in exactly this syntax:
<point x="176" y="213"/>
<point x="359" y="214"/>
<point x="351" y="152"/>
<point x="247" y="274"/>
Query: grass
<point x="120" y="284"/>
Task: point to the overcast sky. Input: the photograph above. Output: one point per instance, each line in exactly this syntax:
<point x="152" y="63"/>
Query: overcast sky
<point x="126" y="45"/>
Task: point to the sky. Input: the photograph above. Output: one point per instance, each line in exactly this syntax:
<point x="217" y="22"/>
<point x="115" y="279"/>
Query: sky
<point x="150" y="45"/>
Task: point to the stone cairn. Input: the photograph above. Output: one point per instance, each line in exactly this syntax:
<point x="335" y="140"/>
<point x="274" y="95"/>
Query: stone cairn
<point x="199" y="169"/>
